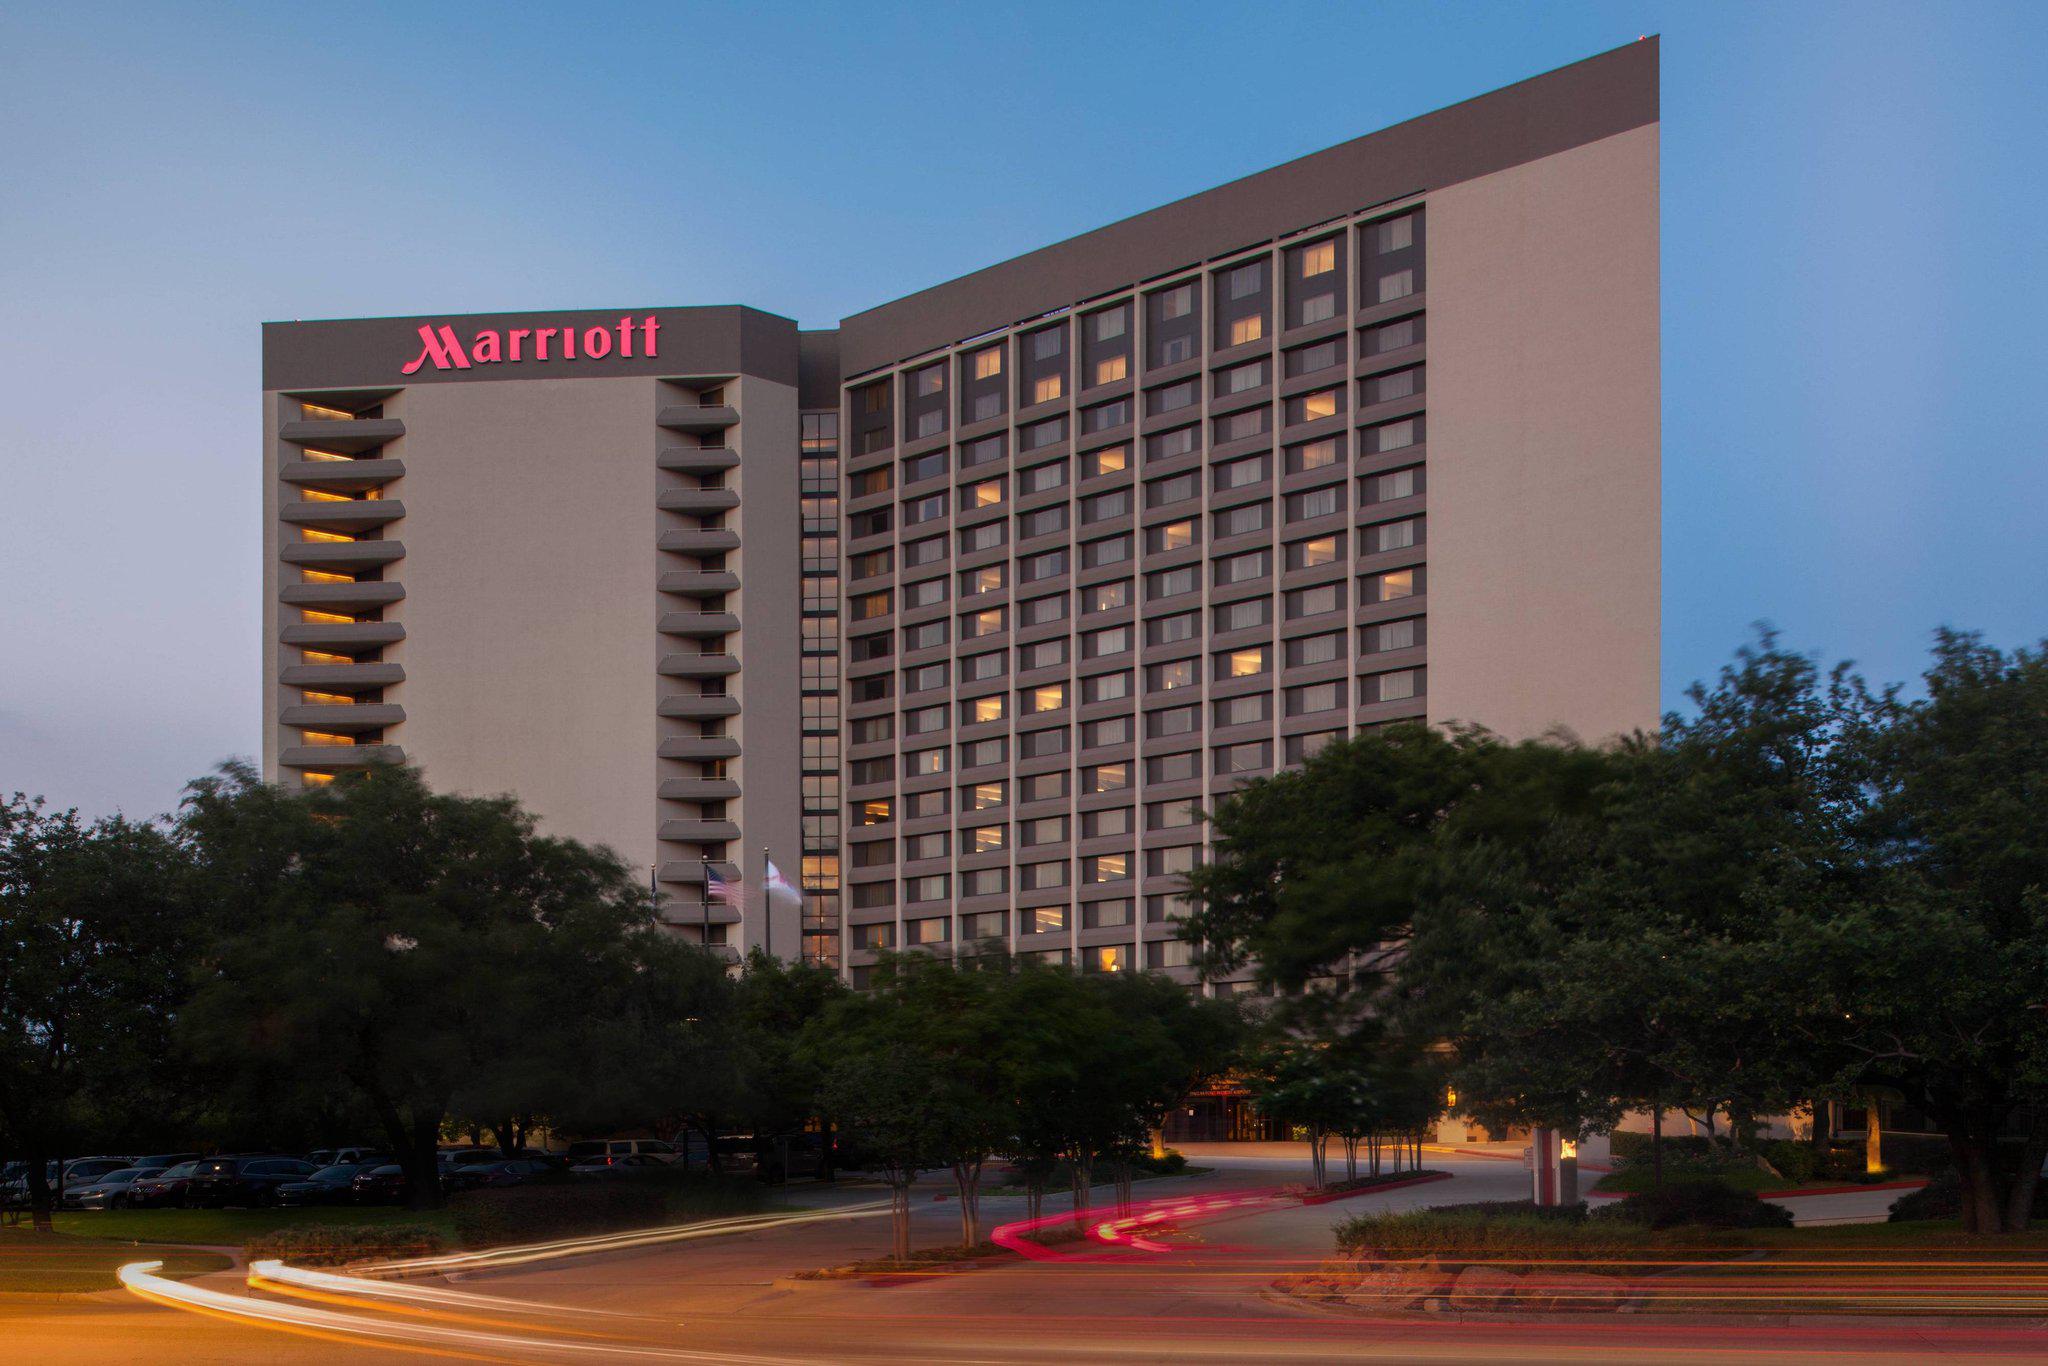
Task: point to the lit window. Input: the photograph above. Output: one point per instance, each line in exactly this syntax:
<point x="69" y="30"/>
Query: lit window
<point x="1107" y="371"/>
<point x="985" y="494"/>
<point x="322" y="576"/>
<point x="1108" y="460"/>
<point x="1322" y="403"/>
<point x="1044" y="919"/>
<point x="983" y="839"/>
<point x="1247" y="329"/>
<point x="1051" y="697"/>
<point x="986" y="709"/>
<point x="312" y="454"/>
<point x="873" y="813"/>
<point x="982" y="796"/>
<point x="1322" y="550"/>
<point x="988" y="363"/>
<point x="1319" y="259"/>
<point x="321" y="737"/>
<point x="930" y="380"/>
<point x="1106" y="868"/>
<point x="985" y="623"/>
<point x="1107" y="777"/>
<point x="321" y="411"/>
<point x="1175" y="536"/>
<point x="1107" y="958"/>
<point x="985" y="580"/>
<point x="316" y="779"/>
<point x="1046" y="390"/>
<point x="308" y="615"/>
<point x="1394" y="584"/>
<point x="1245" y="663"/>
<point x="307" y="533"/>
<point x="322" y="657"/>
<point x="327" y="699"/>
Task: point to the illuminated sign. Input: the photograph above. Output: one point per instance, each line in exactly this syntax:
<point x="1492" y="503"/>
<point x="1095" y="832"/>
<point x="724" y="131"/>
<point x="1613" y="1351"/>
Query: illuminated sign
<point x="490" y="346"/>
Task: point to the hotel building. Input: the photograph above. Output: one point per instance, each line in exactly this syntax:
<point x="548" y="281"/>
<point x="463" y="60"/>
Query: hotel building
<point x="968" y="608"/>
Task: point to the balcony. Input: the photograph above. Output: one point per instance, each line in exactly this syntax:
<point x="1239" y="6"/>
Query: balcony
<point x="699" y="623"/>
<point x="344" y="557"/>
<point x="353" y="515"/>
<point x="690" y="872"/>
<point x="702" y="502"/>
<point x="340" y="434"/>
<point x="339" y="756"/>
<point x="700" y="541"/>
<point x="695" y="417"/>
<point x="341" y="677"/>
<point x="697" y="459"/>
<point x="343" y="636"/>
<point x="699" y="747"/>
<point x="699" y="666"/>
<point x="699" y="790"/>
<point x="342" y="719"/>
<point x="691" y="914"/>
<point x="692" y="707"/>
<point x="701" y="583"/>
<point x="692" y="831"/>
<point x="371" y="593"/>
<point x="342" y="476"/>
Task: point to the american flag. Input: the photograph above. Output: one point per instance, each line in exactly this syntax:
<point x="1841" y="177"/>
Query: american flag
<point x="731" y="891"/>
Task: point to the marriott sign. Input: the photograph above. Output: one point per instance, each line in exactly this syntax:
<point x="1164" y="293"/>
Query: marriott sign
<point x="489" y="346"/>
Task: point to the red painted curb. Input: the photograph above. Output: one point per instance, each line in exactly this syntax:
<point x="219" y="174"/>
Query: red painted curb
<point x="1325" y="1197"/>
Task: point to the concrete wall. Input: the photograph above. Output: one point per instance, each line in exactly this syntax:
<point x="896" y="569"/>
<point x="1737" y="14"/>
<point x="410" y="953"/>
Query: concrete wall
<point x="529" y="575"/>
<point x="1544" y="441"/>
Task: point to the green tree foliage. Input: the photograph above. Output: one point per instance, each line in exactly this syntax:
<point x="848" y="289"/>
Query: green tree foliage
<point x="91" y="950"/>
<point x="420" y="948"/>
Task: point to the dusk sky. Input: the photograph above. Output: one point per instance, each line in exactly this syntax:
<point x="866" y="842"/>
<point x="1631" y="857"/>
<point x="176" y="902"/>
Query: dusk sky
<point x="1854" y="286"/>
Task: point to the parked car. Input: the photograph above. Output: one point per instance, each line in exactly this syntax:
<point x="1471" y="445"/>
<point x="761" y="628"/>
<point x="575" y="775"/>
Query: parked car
<point x="447" y="1159"/>
<point x="245" y="1180"/>
<point x="383" y="1184"/>
<point x="508" y="1171"/>
<point x="335" y="1157"/>
<point x="109" y="1191"/>
<point x="602" y="1149"/>
<point x="330" y="1185"/>
<point x="165" y="1160"/>
<point x="81" y="1170"/>
<point x="625" y="1164"/>
<point x="165" y="1189"/>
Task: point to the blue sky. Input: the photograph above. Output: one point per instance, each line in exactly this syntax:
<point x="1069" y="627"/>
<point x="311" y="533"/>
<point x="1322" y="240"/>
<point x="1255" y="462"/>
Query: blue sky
<point x="1853" y="267"/>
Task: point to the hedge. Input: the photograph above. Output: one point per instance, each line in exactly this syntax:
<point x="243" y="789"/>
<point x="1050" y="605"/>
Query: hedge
<point x="339" y="1244"/>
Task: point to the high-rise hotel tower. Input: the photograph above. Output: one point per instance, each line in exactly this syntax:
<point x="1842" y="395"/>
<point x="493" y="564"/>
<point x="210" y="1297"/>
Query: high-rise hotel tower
<point x="962" y="612"/>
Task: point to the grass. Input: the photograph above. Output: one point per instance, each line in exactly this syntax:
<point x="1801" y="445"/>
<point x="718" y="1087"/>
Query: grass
<point x="234" y="1227"/>
<point x="58" y="1264"/>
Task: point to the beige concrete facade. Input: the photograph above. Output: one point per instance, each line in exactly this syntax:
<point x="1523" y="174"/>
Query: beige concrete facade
<point x="1545" y="468"/>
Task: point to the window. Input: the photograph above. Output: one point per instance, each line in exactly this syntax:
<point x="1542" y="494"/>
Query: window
<point x="1240" y="521"/>
<point x="1101" y="824"/>
<point x="1394" y="384"/>
<point x="1111" y="369"/>
<point x="871" y="481"/>
<point x="1103" y="506"/>
<point x="1049" y="697"/>
<point x="1170" y="536"/>
<point x="925" y="678"/>
<point x="1107" y="551"/>
<point x="1111" y="640"/>
<point x="974" y="625"/>
<point x="924" y="720"/>
<point x="988" y="579"/>
<point x="1246" y="280"/>
<point x="987" y="536"/>
<point x="924" y="636"/>
<point x="1106" y="778"/>
<point x="920" y="467"/>
<point x="1171" y="398"/>
<point x="1394" y="436"/>
<point x="1248" y="662"/>
<point x="934" y="887"/>
<point x="1177" y="489"/>
<point x="985" y="882"/>
<point x="983" y="753"/>
<point x="1319" y="258"/>
<point x="1309" y="407"/>
<point x="982" y="667"/>
<point x="1105" y="687"/>
<point x="985" y="924"/>
<point x="1168" y="630"/>
<point x="1040" y="611"/>
<point x="1036" y="877"/>
<point x="1312" y="553"/>
<point x="870" y="564"/>
<point x="873" y="936"/>
<point x="1167" y="445"/>
<point x="1394" y="234"/>
<point x="1176" y="815"/>
<point x="1172" y="721"/>
<point x="867" y="606"/>
<point x="1045" y="344"/>
<point x="1386" y="488"/>
<point x="1245" y="758"/>
<point x="930" y="930"/>
<point x="1322" y="502"/>
<point x="1108" y="460"/>
<point x="1238" y="616"/>
<point x="1040" y="478"/>
<point x="863" y="648"/>
<point x="1243" y="568"/>
<point x="873" y="523"/>
<point x="1395" y="686"/>
<point x="1044" y="919"/>
<point x="1392" y="585"/>
<point x="1043" y="522"/>
<point x="1391" y="635"/>
<point x="1397" y="284"/>
<point x="1043" y="787"/>
<point x="1237" y="474"/>
<point x="919" y="805"/>
<point x="1313" y="456"/>
<point x="1178" y="673"/>
<point x="1311" y="602"/>
<point x="1170" y="583"/>
<point x="917" y="847"/>
<point x="1244" y="711"/>
<point x="875" y="812"/>
<point x="1239" y="378"/>
<point x="1306" y="360"/>
<point x="1048" y="564"/>
<point x="987" y="493"/>
<point x="984" y="796"/>
<point x="1250" y="329"/>
<point x="984" y="839"/>
<point x="1170" y="862"/>
<point x="1394" y="336"/>
<point x="1172" y="768"/>
<point x="930" y="550"/>
<point x="874" y="854"/>
<point x="1324" y="649"/>
<point x="924" y="593"/>
<point x="1046" y="389"/>
<point x="1040" y="434"/>
<point x="1109" y="324"/>
<point x="1301" y="748"/>
<point x="978" y="711"/>
<point x="1106" y="868"/>
<point x="988" y="363"/>
<point x="1243" y="426"/>
<point x="1103" y="416"/>
<point x="919" y="762"/>
<point x="1102" y="597"/>
<point x="923" y="509"/>
<point x="1315" y="697"/>
<point x="1392" y="535"/>
<point x="1169" y="953"/>
<point x="1161" y="907"/>
<point x="1177" y="302"/>
<point x="986" y="451"/>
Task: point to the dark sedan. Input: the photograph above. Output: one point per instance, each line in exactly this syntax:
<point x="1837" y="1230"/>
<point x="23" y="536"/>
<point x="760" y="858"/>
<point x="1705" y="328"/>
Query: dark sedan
<point x="380" y="1185"/>
<point x="166" y="1188"/>
<point x="510" y="1171"/>
<point x="222" y="1181"/>
<point x="328" y="1186"/>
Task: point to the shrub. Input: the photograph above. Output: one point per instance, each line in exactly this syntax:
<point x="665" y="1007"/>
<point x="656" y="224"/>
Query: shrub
<point x="1795" y="1160"/>
<point x="1517" y="1236"/>
<point x="518" y="1214"/>
<point x="1697" y="1204"/>
<point x="1631" y="1149"/>
<point x="1172" y="1163"/>
<point x="338" y="1244"/>
<point x="1942" y="1198"/>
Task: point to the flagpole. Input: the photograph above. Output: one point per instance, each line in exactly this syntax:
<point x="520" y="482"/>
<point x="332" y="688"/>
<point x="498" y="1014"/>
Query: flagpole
<point x="704" y="905"/>
<point x="767" y="906"/>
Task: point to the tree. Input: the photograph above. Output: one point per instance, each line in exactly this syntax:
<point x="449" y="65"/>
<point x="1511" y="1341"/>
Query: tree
<point x="399" y="941"/>
<point x="884" y="1100"/>
<point x="92" y="959"/>
<point x="775" y="1003"/>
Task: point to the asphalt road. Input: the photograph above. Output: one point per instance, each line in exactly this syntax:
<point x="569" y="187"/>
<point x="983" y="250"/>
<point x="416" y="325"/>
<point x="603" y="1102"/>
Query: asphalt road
<point x="1205" y="1299"/>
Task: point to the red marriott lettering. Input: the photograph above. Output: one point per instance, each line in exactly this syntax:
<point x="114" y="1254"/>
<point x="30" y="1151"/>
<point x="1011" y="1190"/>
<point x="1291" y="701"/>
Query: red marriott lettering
<point x="488" y="346"/>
